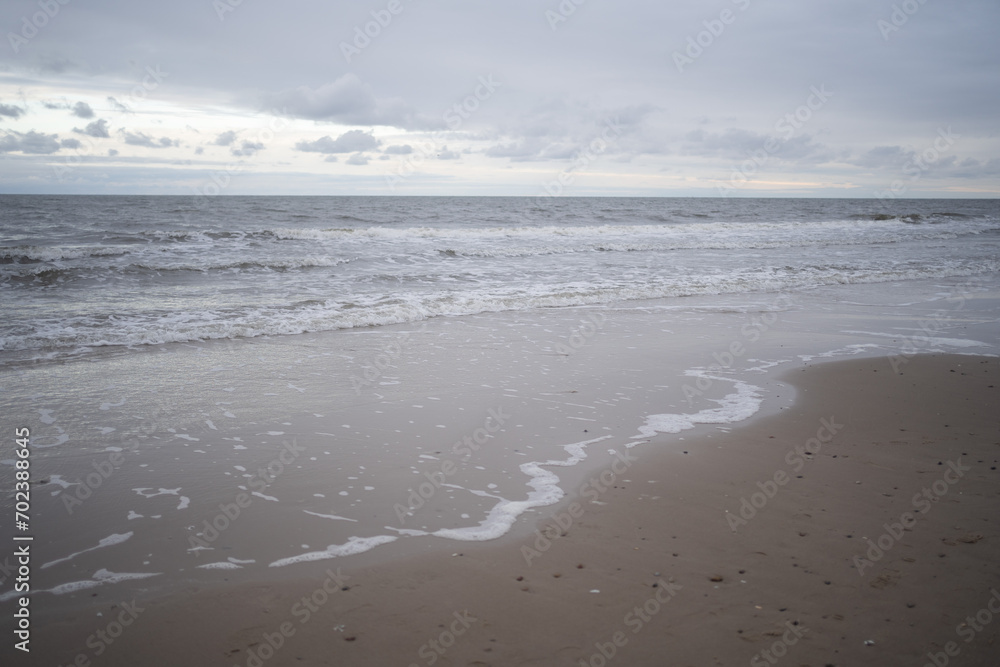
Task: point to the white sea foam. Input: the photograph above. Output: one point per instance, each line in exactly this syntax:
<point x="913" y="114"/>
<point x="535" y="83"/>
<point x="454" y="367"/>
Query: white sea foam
<point x="354" y="545"/>
<point x="545" y="491"/>
<point x="223" y="565"/>
<point x="924" y="340"/>
<point x="100" y="578"/>
<point x="108" y="541"/>
<point x="58" y="479"/>
<point x="742" y="404"/>
<point x="499" y="520"/>
<point x="333" y="517"/>
<point x="183" y="501"/>
<point x="228" y="564"/>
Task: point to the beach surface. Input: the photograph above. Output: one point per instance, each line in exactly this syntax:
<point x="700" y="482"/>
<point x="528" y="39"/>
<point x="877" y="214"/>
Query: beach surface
<point x="858" y="525"/>
<point x="477" y="431"/>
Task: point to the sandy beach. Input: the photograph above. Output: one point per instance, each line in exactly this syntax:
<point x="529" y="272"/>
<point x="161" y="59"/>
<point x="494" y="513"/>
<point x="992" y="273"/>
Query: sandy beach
<point x="858" y="526"/>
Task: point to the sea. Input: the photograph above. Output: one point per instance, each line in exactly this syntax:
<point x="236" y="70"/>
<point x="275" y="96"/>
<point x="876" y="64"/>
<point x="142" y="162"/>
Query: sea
<point x="80" y="273"/>
<point x="235" y="388"/>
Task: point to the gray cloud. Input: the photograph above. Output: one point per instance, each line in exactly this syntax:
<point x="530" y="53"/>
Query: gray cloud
<point x="143" y="139"/>
<point x="225" y="139"/>
<point x="537" y="148"/>
<point x="349" y="142"/>
<point x="973" y="168"/>
<point x="881" y="157"/>
<point x="561" y="130"/>
<point x="399" y="149"/>
<point x="97" y="129"/>
<point x="348" y="101"/>
<point x="82" y="110"/>
<point x="247" y="149"/>
<point x="896" y="160"/>
<point x="357" y="159"/>
<point x="11" y="111"/>
<point x="32" y="142"/>
<point x="737" y="144"/>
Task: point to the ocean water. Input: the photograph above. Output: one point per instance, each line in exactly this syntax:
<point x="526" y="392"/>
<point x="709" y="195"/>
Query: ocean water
<point x="330" y="358"/>
<point x="79" y="273"/>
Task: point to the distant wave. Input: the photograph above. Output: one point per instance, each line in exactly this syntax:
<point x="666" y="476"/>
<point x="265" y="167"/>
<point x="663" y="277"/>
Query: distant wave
<point x="913" y="218"/>
<point x="34" y="254"/>
<point x="780" y="230"/>
<point x="511" y="241"/>
<point x="46" y="272"/>
<point x="702" y="233"/>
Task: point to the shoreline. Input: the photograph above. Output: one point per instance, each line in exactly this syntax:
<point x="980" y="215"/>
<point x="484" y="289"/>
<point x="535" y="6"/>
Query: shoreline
<point x="669" y="521"/>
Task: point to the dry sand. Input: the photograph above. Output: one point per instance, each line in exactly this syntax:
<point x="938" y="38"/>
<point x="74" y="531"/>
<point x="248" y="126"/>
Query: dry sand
<point x="654" y="573"/>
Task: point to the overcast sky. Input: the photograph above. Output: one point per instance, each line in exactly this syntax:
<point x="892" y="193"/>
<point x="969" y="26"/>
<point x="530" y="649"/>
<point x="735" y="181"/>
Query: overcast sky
<point x="853" y="98"/>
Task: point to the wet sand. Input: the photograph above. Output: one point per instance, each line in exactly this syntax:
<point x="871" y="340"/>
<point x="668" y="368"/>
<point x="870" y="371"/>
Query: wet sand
<point x="780" y="541"/>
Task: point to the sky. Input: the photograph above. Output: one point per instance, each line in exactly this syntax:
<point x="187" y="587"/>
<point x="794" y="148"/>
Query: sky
<point x="734" y="98"/>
